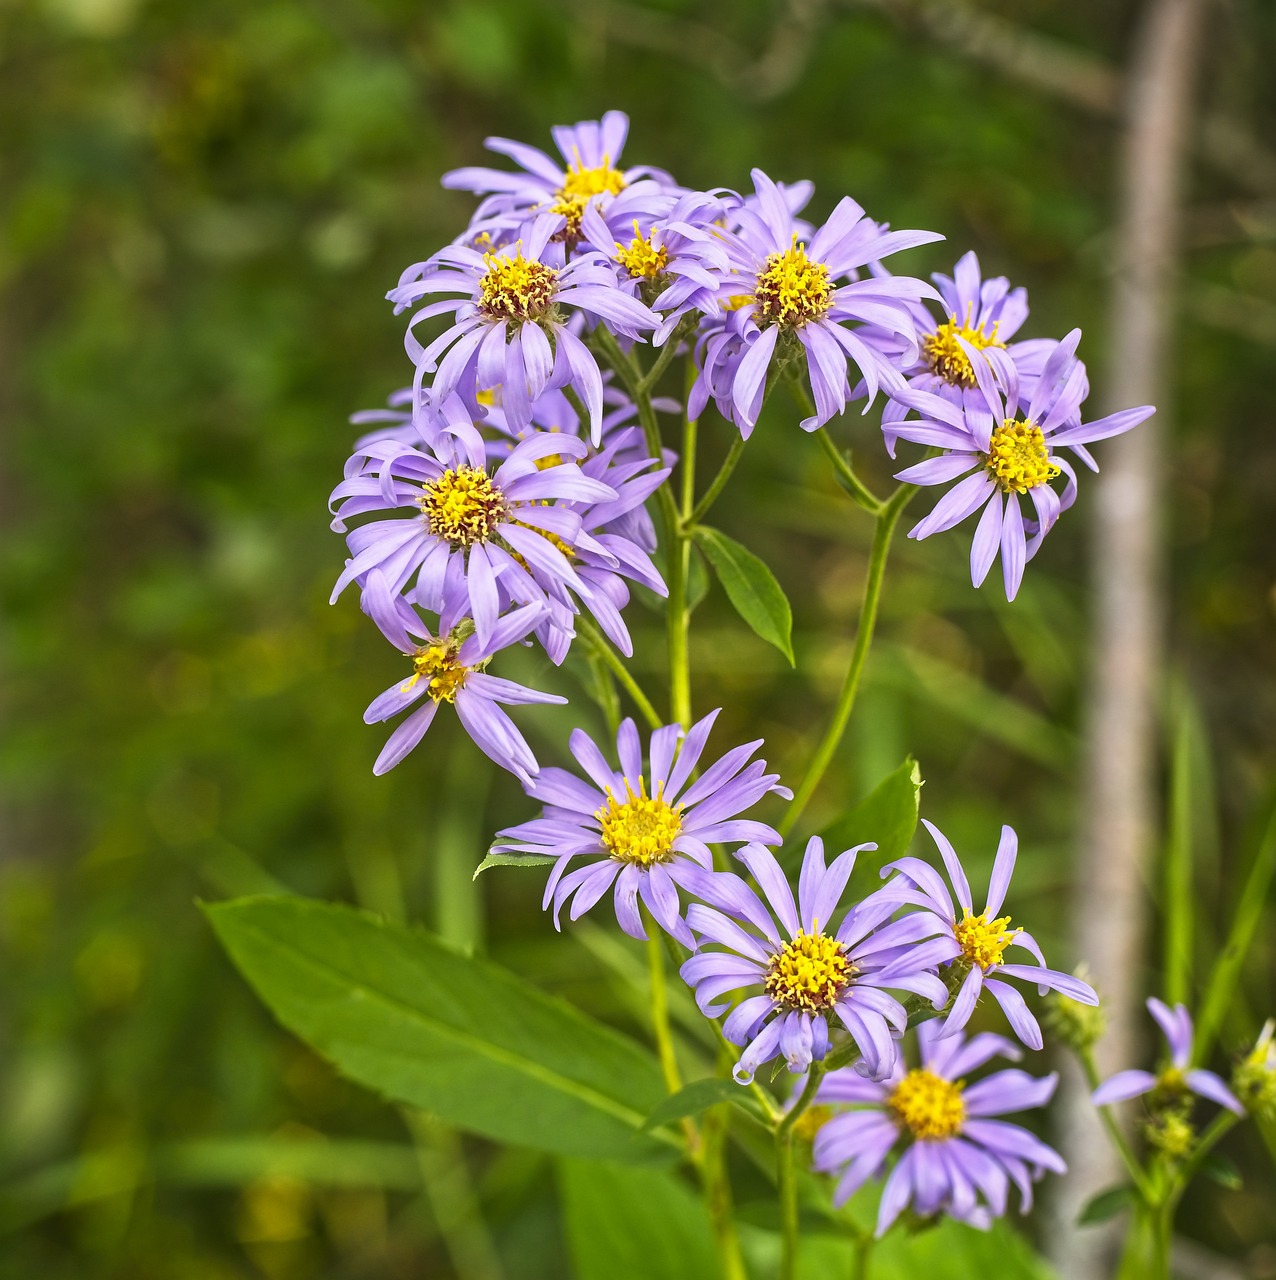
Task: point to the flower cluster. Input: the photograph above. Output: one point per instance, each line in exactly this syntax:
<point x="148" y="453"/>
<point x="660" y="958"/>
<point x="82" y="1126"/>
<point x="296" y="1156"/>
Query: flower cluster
<point x="501" y="499"/>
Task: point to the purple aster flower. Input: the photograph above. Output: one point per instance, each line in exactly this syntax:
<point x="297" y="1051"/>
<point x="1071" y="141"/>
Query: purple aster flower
<point x="450" y="667"/>
<point x="958" y="1158"/>
<point x="588" y="176"/>
<point x="645" y="830"/>
<point x="509" y="327"/>
<point x="979" y="942"/>
<point x="809" y="966"/>
<point x="506" y="530"/>
<point x="781" y="291"/>
<point x="1010" y="450"/>
<point x="1175" y="1080"/>
<point x="743" y="215"/>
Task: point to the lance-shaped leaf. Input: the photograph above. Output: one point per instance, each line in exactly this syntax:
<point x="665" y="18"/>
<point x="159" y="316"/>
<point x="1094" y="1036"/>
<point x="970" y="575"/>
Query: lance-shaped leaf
<point x="398" y="1011"/>
<point x="751" y="587"/>
<point x="887" y="816"/>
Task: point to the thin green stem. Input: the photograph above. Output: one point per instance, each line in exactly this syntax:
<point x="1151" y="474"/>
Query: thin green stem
<point x="887" y="519"/>
<point x="667" y="353"/>
<point x="716" y="1185"/>
<point x="660" y="1009"/>
<point x="1120" y="1142"/>
<point x="804" y="1099"/>
<point x="602" y="647"/>
<point x="701" y="509"/>
<point x="857" y="488"/>
<point x="786" y="1180"/>
<point x="862" y="1259"/>
<point x="677" y="614"/>
<point x="1222" y="1124"/>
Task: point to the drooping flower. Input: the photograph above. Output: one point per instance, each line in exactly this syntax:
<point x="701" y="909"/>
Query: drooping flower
<point x="1174" y="1082"/>
<point x="507" y="527"/>
<point x="957" y="1158"/>
<point x="806" y="966"/>
<point x="588" y="176"/>
<point x="644" y="829"/>
<point x="978" y="942"/>
<point x="510" y="326"/>
<point x="450" y="667"/>
<point x="784" y="302"/>
<point x="1010" y="448"/>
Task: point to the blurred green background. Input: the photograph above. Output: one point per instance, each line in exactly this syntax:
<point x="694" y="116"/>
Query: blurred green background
<point x="201" y="208"/>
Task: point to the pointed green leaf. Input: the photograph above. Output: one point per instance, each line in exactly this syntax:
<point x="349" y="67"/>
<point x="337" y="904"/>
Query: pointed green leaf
<point x="887" y="815"/>
<point x="699" y="1096"/>
<point x="751" y="587"/>
<point x="398" y="1011"/>
<point x="512" y="860"/>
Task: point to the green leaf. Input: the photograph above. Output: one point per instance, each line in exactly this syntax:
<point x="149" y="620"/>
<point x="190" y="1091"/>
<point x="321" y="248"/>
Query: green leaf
<point x="1180" y="902"/>
<point x="512" y="860"/>
<point x="888" y="815"/>
<point x="1219" y="1168"/>
<point x="631" y="1221"/>
<point x="699" y="1096"/>
<point x="400" y="1012"/>
<point x="751" y="587"/>
<point x="1106" y="1205"/>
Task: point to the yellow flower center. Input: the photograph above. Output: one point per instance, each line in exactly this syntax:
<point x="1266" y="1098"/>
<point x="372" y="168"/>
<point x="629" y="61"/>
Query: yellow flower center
<point x="941" y="351"/>
<point x="463" y="506"/>
<point x="437" y="664"/>
<point x="642" y="259"/>
<point x="809" y="973"/>
<point x="792" y="290"/>
<point x="579" y="187"/>
<point x="928" y="1105"/>
<point x="639" y="829"/>
<point x="516" y="288"/>
<point x="983" y="941"/>
<point x="1017" y="457"/>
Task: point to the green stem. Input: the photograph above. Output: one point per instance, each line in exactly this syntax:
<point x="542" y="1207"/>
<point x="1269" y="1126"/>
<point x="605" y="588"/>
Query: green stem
<point x="677" y="615"/>
<point x="716" y="1184"/>
<point x="1222" y="1124"/>
<point x="857" y="488"/>
<point x="786" y="1178"/>
<point x="887" y="519"/>
<point x="1118" y="1139"/>
<point x="660" y="1007"/>
<point x="603" y="649"/>
<point x="863" y="1257"/>
<point x="663" y="360"/>
<point x="701" y="509"/>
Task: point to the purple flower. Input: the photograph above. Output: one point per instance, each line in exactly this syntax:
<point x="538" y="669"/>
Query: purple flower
<point x="504" y="532"/>
<point x="1010" y="448"/>
<point x="1175" y="1080"/>
<point x="782" y="292"/>
<point x="450" y="667"/>
<point x="588" y="176"/>
<point x="512" y="306"/>
<point x="957" y="1158"/>
<point x="978" y="942"/>
<point x="808" y="966"/>
<point x="645" y="830"/>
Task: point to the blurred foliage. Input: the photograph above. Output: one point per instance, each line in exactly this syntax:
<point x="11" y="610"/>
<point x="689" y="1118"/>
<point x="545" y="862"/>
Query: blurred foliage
<point x="201" y="208"/>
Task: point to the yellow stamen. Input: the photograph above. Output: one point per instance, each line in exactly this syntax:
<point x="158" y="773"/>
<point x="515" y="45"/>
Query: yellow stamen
<point x="983" y="941"/>
<point x="463" y="506"/>
<point x="1017" y="457"/>
<point x="642" y="259"/>
<point x="942" y="352"/>
<point x="580" y="185"/>
<point x="438" y="665"/>
<point x="928" y="1105"/>
<point x="809" y="973"/>
<point x="516" y="288"/>
<point x="639" y="829"/>
<point x="792" y="290"/>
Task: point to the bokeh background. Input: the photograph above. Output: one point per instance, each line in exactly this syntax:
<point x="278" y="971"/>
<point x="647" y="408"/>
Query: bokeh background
<point x="201" y="208"/>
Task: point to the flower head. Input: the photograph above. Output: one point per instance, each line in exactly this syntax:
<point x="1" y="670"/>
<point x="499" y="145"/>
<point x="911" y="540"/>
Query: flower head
<point x="783" y="301"/>
<point x="508" y="532"/>
<point x="588" y="176"/>
<point x="1178" y="1078"/>
<point x="510" y="326"/>
<point x="1254" y="1079"/>
<point x="804" y="964"/>
<point x="956" y="1157"/>
<point x="1007" y="448"/>
<point x="450" y="667"/>
<point x="977" y="943"/>
<point x="645" y="827"/>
